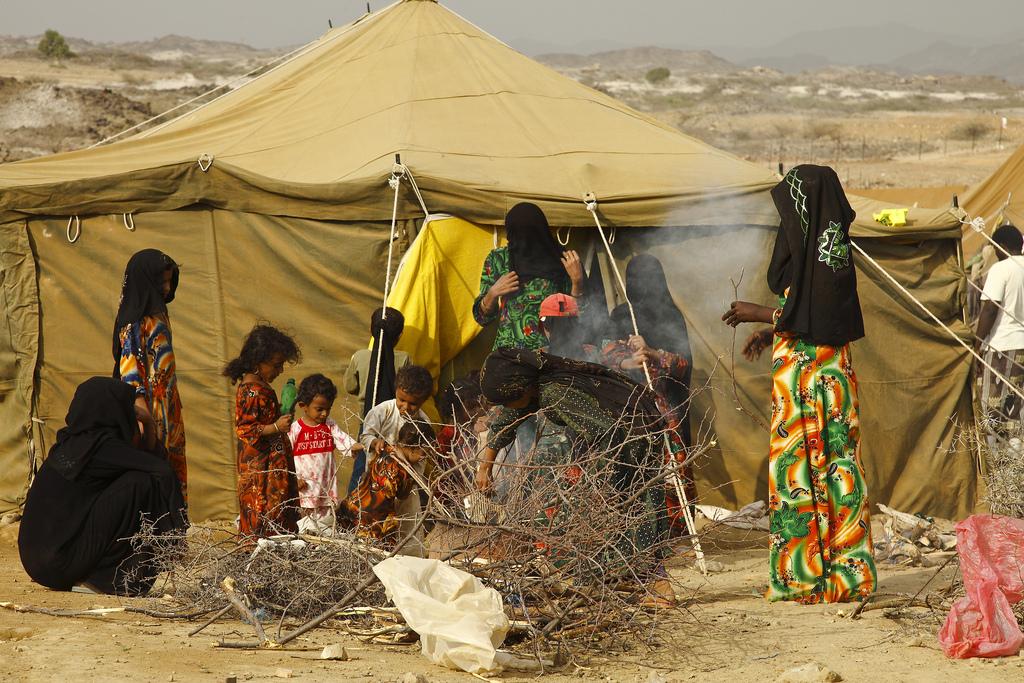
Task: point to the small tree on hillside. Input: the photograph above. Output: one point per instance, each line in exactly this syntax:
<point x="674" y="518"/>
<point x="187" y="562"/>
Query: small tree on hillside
<point x="53" y="46"/>
<point x="658" y="74"/>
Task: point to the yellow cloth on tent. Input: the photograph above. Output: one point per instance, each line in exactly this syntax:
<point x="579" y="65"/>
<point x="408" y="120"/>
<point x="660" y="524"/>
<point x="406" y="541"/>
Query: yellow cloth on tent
<point x="435" y="288"/>
<point x="891" y="217"/>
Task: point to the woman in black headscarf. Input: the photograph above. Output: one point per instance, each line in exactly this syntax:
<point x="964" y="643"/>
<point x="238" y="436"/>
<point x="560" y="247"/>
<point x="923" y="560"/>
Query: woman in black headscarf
<point x="606" y="413"/>
<point x="93" y="492"/>
<point x="361" y="376"/>
<point x="664" y="346"/>
<point x="386" y="331"/>
<point x="817" y="497"/>
<point x="144" y="354"/>
<point x="518" y="277"/>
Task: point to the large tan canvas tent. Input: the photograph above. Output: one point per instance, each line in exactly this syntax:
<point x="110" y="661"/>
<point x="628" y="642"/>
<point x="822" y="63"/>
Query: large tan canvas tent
<point x="275" y="199"/>
<point x="998" y="198"/>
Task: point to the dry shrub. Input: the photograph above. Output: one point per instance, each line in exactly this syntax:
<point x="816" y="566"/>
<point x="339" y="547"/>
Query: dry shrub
<point x="560" y="546"/>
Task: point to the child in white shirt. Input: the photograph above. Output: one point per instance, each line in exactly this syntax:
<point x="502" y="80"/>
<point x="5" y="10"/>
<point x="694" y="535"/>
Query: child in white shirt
<point x="314" y="437"/>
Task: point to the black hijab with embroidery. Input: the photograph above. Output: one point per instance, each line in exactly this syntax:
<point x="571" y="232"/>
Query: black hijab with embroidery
<point x="508" y="373"/>
<point x="533" y="250"/>
<point x="141" y="293"/>
<point x="813" y="258"/>
<point x="392" y="327"/>
<point x="102" y="409"/>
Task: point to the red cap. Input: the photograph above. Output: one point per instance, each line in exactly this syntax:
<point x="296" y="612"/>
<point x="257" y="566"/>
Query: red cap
<point x="559" y="306"/>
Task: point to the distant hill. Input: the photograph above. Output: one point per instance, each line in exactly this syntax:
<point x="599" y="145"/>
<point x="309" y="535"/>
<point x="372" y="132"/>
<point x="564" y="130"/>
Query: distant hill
<point x="1002" y="59"/>
<point x="860" y="46"/>
<point x="192" y="47"/>
<point x="642" y="58"/>
<point x="168" y="47"/>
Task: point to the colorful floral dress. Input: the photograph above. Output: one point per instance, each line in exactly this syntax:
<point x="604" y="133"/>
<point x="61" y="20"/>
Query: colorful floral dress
<point x="820" y="528"/>
<point x="267" y="489"/>
<point x="518" y="315"/>
<point x="147" y="363"/>
<point x="373" y="506"/>
<point x="664" y="367"/>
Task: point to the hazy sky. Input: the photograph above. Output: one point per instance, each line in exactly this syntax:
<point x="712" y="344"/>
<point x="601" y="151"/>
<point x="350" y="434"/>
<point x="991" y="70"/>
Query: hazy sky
<point x="525" y="24"/>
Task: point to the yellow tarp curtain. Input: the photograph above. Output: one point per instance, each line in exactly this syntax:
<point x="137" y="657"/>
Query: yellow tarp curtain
<point x="435" y="288"/>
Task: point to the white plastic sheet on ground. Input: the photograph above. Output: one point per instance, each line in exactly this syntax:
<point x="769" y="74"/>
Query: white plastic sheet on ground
<point x="752" y="516"/>
<point x="460" y="621"/>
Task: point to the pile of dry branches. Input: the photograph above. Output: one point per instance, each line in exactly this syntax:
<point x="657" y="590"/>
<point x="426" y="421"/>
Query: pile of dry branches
<point x="1004" y="474"/>
<point x="281" y="577"/>
<point x="569" y="542"/>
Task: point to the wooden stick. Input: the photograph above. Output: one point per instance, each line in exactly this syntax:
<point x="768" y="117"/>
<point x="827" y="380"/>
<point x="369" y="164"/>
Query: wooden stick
<point x="215" y="617"/>
<point x="228" y="586"/>
<point x="100" y="611"/>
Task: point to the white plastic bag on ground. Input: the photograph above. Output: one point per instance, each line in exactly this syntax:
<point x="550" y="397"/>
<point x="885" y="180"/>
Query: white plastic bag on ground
<point x="460" y="621"/>
<point x="752" y="516"/>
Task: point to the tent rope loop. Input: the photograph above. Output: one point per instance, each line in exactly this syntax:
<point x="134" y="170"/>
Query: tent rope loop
<point x="590" y="201"/>
<point x="78" y="229"/>
<point x="399" y="172"/>
<point x="205" y="161"/>
<point x="129" y="221"/>
<point x="977" y="223"/>
<point x="558" y="236"/>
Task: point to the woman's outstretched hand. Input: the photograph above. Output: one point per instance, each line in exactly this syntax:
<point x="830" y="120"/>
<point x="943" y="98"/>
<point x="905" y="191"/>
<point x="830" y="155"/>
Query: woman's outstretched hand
<point x="757" y="342"/>
<point x="573" y="266"/>
<point x="746" y="312"/>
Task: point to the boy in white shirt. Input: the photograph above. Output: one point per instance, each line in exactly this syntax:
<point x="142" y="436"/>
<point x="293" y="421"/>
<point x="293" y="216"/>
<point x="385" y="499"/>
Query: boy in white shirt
<point x="413" y="386"/>
<point x="1001" y="327"/>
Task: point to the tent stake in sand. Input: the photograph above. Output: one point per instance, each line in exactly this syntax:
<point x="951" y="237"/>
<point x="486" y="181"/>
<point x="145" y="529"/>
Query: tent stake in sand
<point x="590" y="201"/>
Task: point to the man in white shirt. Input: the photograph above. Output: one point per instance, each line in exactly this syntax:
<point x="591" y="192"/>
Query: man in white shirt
<point x="1001" y="327"/>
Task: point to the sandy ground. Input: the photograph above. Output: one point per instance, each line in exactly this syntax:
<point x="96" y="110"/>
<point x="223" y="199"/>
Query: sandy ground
<point x="726" y="633"/>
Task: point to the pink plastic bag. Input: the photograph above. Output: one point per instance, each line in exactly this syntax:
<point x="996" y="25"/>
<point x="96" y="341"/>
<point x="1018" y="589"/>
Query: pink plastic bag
<point x="991" y="549"/>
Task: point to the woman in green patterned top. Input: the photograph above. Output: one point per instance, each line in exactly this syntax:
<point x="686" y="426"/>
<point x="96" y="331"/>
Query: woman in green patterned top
<point x="518" y="277"/>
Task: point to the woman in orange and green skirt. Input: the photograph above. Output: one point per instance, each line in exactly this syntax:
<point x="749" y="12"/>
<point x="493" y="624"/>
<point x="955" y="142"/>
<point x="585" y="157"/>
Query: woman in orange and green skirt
<point x="819" y="520"/>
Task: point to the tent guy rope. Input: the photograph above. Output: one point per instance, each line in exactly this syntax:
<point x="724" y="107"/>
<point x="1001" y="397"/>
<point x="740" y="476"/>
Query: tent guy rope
<point x="934" y="317"/>
<point x="590" y="201"/>
<point x="398" y="172"/>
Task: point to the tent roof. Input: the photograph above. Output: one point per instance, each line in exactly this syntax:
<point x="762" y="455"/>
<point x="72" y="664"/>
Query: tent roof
<point x="998" y="198"/>
<point x="915" y="196"/>
<point x="480" y="125"/>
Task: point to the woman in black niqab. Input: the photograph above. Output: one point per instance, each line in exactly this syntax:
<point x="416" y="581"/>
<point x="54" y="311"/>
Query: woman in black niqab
<point x="662" y="326"/>
<point x="818" y="506"/>
<point x="91" y="496"/>
<point x="142" y="292"/>
<point x="144" y="351"/>
<point x="533" y="250"/>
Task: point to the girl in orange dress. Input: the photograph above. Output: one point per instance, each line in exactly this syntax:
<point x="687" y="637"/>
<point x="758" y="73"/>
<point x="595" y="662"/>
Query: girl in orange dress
<point x="267" y="488"/>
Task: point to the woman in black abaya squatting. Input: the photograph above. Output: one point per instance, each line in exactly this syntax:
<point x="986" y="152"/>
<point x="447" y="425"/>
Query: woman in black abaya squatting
<point x="97" y="487"/>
